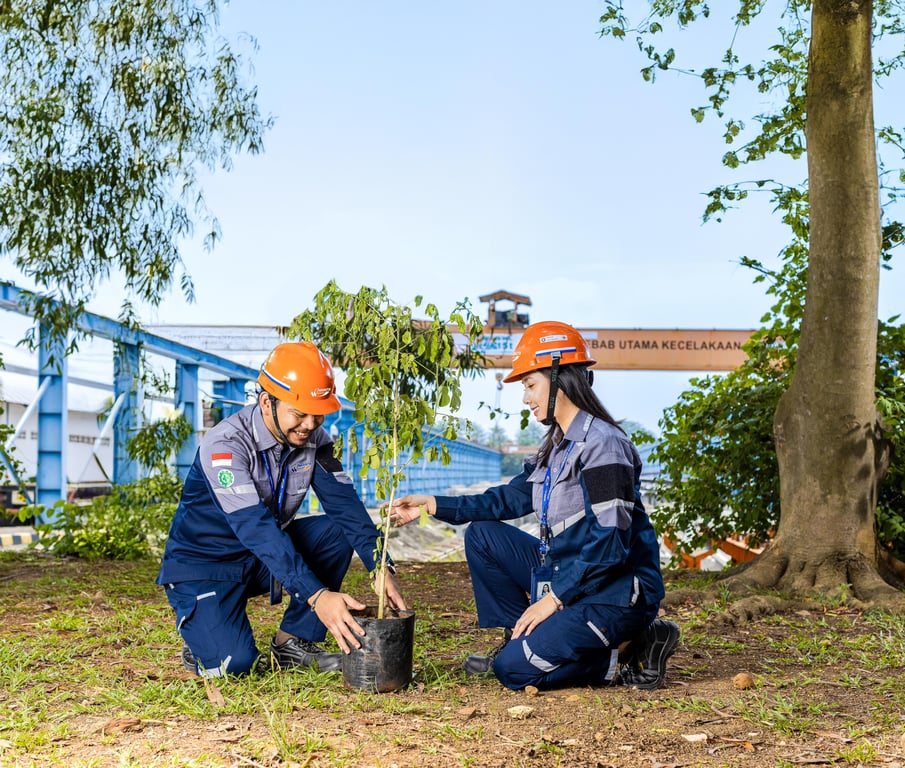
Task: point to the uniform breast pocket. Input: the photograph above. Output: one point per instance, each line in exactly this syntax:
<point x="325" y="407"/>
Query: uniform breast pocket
<point x="569" y="498"/>
<point x="299" y="483"/>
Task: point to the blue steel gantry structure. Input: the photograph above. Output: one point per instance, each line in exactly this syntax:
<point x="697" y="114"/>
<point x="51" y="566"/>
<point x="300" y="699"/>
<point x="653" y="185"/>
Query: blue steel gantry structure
<point x="471" y="462"/>
<point x="128" y="343"/>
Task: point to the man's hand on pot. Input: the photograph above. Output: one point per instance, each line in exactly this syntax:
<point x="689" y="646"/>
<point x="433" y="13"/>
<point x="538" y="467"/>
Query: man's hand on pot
<point x="332" y="608"/>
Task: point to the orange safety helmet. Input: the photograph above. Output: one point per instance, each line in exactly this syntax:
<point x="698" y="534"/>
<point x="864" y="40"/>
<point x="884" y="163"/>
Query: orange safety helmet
<point x="538" y="344"/>
<point x="298" y="373"/>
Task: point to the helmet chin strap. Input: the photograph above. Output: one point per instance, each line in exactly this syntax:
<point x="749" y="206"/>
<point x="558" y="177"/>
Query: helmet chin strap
<point x="276" y="422"/>
<point x="554" y="388"/>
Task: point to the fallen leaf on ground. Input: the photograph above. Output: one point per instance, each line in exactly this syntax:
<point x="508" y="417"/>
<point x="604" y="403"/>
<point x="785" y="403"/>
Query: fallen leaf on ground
<point x="120" y="724"/>
<point x="214" y="696"/>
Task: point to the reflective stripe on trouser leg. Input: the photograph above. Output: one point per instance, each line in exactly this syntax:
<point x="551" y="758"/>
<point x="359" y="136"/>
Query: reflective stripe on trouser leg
<point x="211" y="618"/>
<point x="575" y="646"/>
<point x="606" y="666"/>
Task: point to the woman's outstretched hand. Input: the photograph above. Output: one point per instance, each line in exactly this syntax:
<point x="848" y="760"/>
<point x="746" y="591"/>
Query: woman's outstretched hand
<point x="408" y="508"/>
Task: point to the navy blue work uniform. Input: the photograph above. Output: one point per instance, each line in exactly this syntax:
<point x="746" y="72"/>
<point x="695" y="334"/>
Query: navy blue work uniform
<point x="602" y="553"/>
<point x="235" y="535"/>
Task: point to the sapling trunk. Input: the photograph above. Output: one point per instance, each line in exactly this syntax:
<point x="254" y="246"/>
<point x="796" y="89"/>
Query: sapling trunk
<point x="398" y="372"/>
<point x="385" y="522"/>
<point x="382" y="568"/>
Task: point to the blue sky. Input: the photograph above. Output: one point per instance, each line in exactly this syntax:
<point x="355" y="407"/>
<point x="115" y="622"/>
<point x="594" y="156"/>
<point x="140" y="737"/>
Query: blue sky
<point x="451" y="150"/>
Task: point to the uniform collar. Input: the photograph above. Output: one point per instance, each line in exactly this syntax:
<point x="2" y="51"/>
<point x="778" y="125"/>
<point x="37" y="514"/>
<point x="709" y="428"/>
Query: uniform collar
<point x="578" y="429"/>
<point x="264" y="439"/>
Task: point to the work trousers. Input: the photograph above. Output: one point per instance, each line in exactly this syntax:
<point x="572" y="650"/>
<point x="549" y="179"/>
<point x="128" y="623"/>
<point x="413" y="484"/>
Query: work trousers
<point x="211" y="615"/>
<point x="575" y="646"/>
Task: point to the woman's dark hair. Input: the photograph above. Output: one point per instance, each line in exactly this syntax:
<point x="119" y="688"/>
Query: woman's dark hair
<point x="575" y="383"/>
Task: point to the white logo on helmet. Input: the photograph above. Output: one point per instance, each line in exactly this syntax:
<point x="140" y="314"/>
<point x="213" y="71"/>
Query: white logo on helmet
<point x="553" y="337"/>
<point x="320" y="394"/>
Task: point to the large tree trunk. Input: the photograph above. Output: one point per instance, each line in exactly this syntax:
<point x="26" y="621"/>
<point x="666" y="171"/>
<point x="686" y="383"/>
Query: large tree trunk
<point x="826" y="424"/>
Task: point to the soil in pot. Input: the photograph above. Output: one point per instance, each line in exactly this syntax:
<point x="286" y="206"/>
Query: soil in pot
<point x="384" y="661"/>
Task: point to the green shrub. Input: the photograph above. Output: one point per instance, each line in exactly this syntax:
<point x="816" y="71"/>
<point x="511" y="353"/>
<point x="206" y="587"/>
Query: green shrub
<point x="129" y="523"/>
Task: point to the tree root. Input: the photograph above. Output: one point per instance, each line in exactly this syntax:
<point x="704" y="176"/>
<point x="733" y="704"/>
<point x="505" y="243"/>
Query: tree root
<point x="795" y="582"/>
<point x="891" y="568"/>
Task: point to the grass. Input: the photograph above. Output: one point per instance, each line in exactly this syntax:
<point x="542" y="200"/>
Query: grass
<point x="86" y="649"/>
<point x="109" y="640"/>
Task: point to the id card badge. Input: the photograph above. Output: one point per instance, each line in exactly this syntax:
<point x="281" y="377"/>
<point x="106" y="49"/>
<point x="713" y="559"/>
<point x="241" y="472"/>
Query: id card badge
<point x="541" y="578"/>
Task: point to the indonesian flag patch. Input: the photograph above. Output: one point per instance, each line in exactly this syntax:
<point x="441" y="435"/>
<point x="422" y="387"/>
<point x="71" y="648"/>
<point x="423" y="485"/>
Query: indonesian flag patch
<point x="221" y="459"/>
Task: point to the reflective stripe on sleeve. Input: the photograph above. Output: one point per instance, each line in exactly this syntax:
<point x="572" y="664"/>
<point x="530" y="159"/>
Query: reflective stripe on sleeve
<point x="237" y="490"/>
<point x="615" y="513"/>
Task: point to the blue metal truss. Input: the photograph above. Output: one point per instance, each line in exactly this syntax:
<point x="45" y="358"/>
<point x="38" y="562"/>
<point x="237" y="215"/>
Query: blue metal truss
<point x="129" y="343"/>
<point x="471" y="463"/>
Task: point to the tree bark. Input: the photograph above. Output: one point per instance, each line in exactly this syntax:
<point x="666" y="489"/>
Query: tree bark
<point x="825" y="424"/>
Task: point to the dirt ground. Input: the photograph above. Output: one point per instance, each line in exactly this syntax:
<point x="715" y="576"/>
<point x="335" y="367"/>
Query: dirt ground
<point x="794" y="713"/>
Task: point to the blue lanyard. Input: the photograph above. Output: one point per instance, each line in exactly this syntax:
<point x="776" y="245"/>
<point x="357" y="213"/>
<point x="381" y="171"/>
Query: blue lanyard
<point x="549" y="482"/>
<point x="277" y="496"/>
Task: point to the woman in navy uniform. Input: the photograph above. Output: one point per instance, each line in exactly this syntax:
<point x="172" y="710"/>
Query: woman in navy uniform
<point x="589" y="586"/>
<point x="236" y="534"/>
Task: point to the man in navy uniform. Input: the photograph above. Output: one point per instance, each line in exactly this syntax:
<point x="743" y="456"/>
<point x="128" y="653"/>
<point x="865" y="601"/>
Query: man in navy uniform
<point x="235" y="534"/>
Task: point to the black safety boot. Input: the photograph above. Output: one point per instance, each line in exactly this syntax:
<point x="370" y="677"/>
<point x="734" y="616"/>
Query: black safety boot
<point x="296" y="653"/>
<point x="646" y="664"/>
<point x="188" y="659"/>
<point x="483" y="665"/>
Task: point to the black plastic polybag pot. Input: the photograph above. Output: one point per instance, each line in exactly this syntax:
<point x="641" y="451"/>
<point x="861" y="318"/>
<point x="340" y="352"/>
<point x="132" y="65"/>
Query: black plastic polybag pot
<point x="384" y="661"/>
